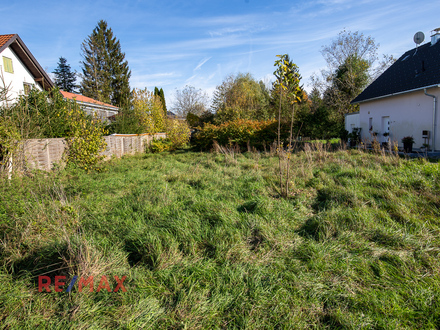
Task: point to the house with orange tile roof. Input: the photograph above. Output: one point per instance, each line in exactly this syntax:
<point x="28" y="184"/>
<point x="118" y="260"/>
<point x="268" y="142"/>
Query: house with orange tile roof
<point x="91" y="106"/>
<point x="19" y="70"/>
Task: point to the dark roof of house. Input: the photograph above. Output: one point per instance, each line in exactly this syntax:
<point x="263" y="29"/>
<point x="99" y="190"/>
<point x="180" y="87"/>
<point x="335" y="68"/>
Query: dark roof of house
<point x="418" y="68"/>
<point x="171" y="114"/>
<point x="17" y="45"/>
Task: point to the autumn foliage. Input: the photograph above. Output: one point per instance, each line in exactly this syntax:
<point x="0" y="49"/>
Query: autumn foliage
<point x="148" y="110"/>
<point x="241" y="132"/>
<point x="85" y="141"/>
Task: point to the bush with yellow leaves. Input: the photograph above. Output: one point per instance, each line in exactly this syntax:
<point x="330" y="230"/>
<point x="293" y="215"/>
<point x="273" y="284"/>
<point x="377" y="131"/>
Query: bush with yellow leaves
<point x="148" y="110"/>
<point x="85" y="141"/>
<point x="178" y="132"/>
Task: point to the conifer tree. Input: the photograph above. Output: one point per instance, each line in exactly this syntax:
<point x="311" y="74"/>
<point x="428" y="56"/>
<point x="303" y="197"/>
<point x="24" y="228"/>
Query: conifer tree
<point x="64" y="78"/>
<point x="105" y="71"/>
<point x="159" y="92"/>
<point x="162" y="98"/>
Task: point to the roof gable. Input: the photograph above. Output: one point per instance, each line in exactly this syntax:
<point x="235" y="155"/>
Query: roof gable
<point x="4" y="40"/>
<point x="19" y="48"/>
<point x="418" y="68"/>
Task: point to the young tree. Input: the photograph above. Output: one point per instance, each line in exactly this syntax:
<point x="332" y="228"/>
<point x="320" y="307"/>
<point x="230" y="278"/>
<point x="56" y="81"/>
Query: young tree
<point x="64" y="78"/>
<point x="288" y="79"/>
<point x="190" y="100"/>
<point x="105" y="71"/>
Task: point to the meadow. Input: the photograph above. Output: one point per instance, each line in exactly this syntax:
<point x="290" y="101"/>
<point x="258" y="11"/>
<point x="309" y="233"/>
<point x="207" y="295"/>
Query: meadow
<point x="206" y="242"/>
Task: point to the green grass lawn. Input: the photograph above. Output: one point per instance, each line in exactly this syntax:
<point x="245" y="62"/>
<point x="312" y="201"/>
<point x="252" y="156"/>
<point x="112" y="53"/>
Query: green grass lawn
<point x="206" y="242"/>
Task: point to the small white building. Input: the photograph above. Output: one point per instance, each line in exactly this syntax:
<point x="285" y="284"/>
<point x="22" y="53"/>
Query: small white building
<point x="104" y="111"/>
<point x="19" y="70"/>
<point x="403" y="101"/>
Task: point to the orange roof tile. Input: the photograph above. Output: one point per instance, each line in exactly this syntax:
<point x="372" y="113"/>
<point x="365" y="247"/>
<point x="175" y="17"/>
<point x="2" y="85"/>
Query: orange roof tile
<point x="82" y="98"/>
<point x="4" y="38"/>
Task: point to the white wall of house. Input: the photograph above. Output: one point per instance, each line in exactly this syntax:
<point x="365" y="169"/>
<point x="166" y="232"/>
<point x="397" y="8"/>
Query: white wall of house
<point x="102" y="112"/>
<point x="17" y="79"/>
<point x="352" y="120"/>
<point x="401" y="115"/>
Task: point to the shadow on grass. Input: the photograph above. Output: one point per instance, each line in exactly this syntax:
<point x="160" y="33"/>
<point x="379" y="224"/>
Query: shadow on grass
<point x="138" y="253"/>
<point x="318" y="229"/>
<point x="46" y="261"/>
<point x="329" y="197"/>
<point x="248" y="207"/>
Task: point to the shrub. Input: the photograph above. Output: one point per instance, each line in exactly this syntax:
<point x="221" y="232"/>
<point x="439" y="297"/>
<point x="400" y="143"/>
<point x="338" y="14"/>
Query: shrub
<point x="40" y="114"/>
<point x="126" y="122"/>
<point x="9" y="137"/>
<point x="239" y="132"/>
<point x="178" y="133"/>
<point x="192" y="119"/>
<point x="408" y="140"/>
<point x="160" y="145"/>
<point x="145" y="116"/>
<point x="85" y="142"/>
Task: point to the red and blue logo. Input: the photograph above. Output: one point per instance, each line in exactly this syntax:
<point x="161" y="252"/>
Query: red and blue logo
<point x="44" y="282"/>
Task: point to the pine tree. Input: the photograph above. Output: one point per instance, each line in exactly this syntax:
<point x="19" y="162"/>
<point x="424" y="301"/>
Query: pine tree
<point x="64" y="78"/>
<point x="105" y="71"/>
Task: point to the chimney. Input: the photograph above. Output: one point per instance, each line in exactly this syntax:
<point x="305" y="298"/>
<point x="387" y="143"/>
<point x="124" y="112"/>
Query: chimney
<point x="435" y="36"/>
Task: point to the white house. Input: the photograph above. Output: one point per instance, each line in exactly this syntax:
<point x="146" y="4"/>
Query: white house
<point x="352" y="121"/>
<point x="403" y="101"/>
<point x="19" y="70"/>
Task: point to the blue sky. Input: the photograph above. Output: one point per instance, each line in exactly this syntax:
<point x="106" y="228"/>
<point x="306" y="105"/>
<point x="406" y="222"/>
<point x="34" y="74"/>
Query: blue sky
<point x="171" y="44"/>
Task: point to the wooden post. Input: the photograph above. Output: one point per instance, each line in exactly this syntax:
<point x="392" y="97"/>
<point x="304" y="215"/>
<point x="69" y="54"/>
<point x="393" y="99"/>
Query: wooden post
<point x="9" y="167"/>
<point x="47" y="142"/>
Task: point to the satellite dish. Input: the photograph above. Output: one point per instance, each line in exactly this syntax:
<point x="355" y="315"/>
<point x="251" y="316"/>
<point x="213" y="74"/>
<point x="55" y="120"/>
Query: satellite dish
<point x="419" y="37"/>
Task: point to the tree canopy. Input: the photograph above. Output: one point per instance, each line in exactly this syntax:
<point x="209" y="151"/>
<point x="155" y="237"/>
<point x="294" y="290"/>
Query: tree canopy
<point x="240" y="97"/>
<point x="351" y="65"/>
<point x="190" y="100"/>
<point x="348" y="81"/>
<point x="348" y="44"/>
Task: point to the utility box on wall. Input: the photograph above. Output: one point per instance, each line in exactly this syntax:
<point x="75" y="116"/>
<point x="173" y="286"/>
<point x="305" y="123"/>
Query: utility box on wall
<point x="425" y="134"/>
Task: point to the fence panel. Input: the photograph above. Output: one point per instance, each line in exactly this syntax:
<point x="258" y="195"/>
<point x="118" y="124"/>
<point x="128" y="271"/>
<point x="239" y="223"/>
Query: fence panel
<point x="42" y="154"/>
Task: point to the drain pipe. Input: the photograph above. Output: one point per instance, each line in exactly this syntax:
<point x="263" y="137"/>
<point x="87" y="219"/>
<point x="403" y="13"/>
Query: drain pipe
<point x="434" y="123"/>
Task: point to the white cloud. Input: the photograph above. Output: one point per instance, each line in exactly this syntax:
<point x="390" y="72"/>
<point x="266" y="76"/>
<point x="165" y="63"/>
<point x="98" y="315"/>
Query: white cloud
<point x="201" y="63"/>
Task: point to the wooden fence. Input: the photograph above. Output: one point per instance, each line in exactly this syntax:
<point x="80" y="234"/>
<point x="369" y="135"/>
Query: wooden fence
<point x="42" y="154"/>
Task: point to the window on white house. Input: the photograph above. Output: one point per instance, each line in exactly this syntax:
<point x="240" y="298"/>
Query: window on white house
<point x="7" y="64"/>
<point x="27" y="88"/>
